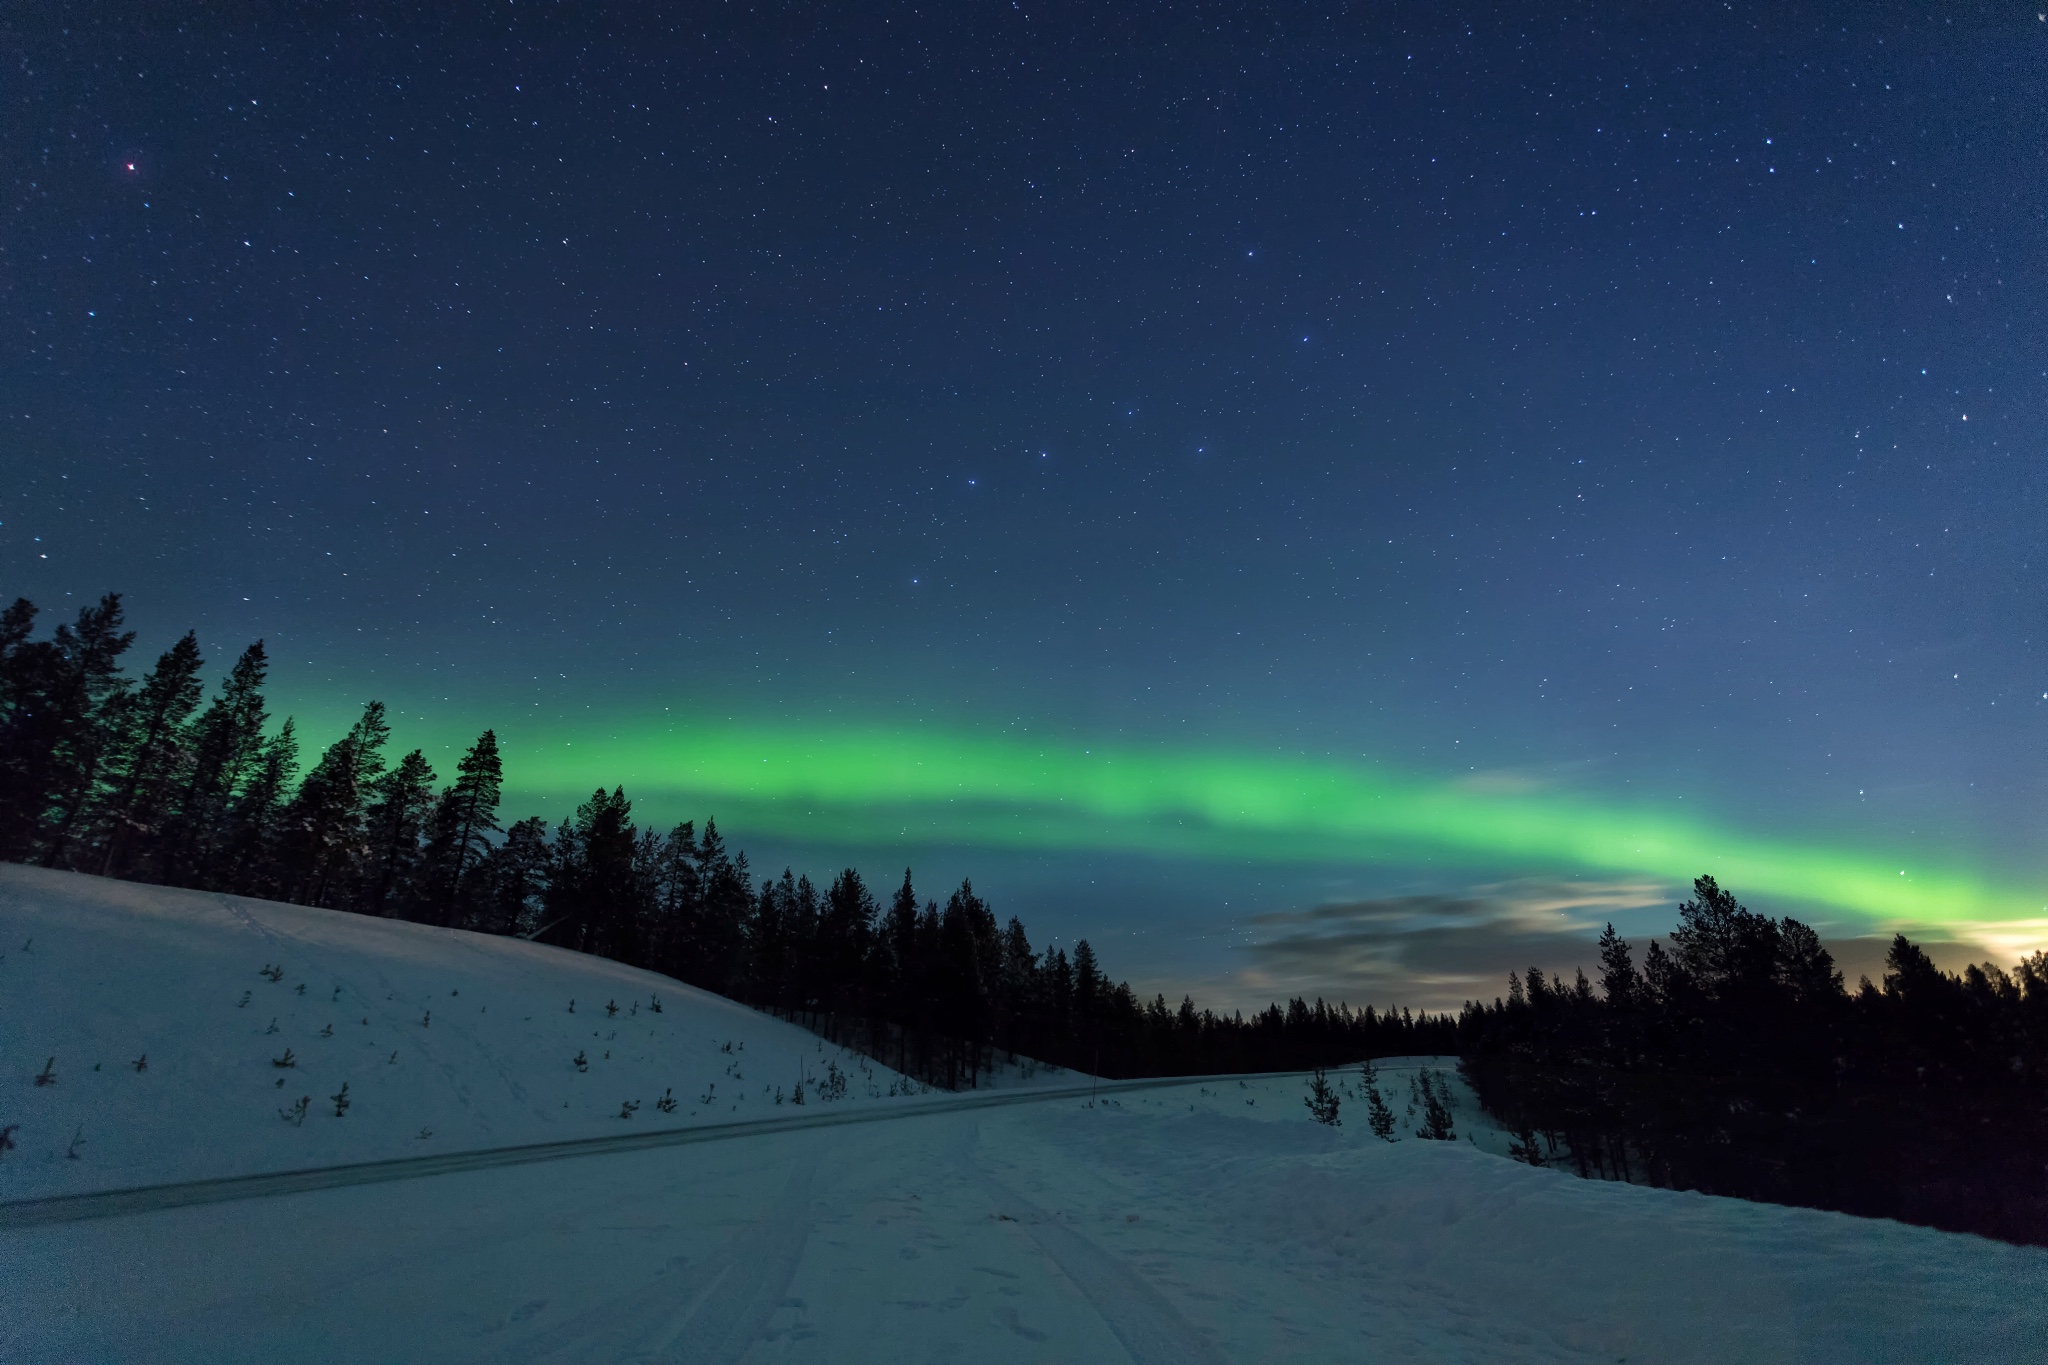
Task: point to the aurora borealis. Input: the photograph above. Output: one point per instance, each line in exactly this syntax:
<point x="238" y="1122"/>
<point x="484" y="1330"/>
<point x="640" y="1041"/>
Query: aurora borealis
<point x="857" y="786"/>
<point x="1198" y="473"/>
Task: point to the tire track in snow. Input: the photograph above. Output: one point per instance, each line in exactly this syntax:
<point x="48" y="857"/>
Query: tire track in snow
<point x="1150" y="1328"/>
<point x="75" y="1208"/>
<point x="707" y="1313"/>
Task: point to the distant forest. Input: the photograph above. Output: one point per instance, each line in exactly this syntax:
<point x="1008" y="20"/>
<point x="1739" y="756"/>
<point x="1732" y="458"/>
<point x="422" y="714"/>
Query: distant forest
<point x="101" y="774"/>
<point x="1736" y="1063"/>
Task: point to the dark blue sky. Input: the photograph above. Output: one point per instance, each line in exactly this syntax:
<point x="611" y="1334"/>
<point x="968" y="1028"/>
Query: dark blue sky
<point x="1645" y="404"/>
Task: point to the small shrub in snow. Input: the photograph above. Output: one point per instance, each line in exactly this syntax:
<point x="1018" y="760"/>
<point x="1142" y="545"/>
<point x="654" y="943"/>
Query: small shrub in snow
<point x="1322" y="1100"/>
<point x="572" y="1007"/>
<point x="243" y="1003"/>
<point x="796" y="1096"/>
<point x="327" y="1032"/>
<point x="77" y="1141"/>
<point x="141" y="1063"/>
<point x="1378" y="1115"/>
<point x="48" y="1075"/>
<point x="7" y="1137"/>
<point x="300" y="988"/>
<point x="295" y="1114"/>
<point x="1436" y="1113"/>
<point x="833" y="1087"/>
<point x="627" y="1109"/>
<point x="655" y="1004"/>
<point x="428" y="1021"/>
<point x="272" y="972"/>
<point x="711" y="1091"/>
<point x="286" y="1060"/>
<point x="424" y="1134"/>
<point x="582" y="1063"/>
<point x="392" y="1060"/>
<point x="611" y="1009"/>
<point x="667" y="1103"/>
<point x="273" y="1027"/>
<point x="341" y="1100"/>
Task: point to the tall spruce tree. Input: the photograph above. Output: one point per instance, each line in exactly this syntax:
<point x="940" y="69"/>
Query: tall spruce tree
<point x="63" y="697"/>
<point x="325" y="846"/>
<point x="225" y="742"/>
<point x="400" y="805"/>
<point x="150" y="757"/>
<point x="463" y="823"/>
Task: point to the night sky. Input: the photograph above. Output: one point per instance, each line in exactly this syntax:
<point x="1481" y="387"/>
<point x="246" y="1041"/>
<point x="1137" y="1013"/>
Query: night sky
<point x="1344" y="502"/>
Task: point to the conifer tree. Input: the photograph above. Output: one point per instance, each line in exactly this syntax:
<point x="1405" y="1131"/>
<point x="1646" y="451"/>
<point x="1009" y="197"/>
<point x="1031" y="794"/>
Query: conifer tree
<point x="464" y="820"/>
<point x="325" y="819"/>
<point x="61" y="695"/>
<point x="148" y="753"/>
<point x="225" y="742"/>
<point x="1378" y="1115"/>
<point x="397" y="816"/>
<point x="1322" y="1099"/>
<point x="254" y="840"/>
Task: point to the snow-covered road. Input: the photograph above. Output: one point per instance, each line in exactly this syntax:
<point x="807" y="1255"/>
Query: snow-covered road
<point x="1160" y="1228"/>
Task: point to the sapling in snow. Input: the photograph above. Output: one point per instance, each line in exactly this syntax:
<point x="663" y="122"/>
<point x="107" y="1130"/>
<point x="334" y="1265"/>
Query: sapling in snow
<point x="1436" y="1115"/>
<point x="295" y="1114"/>
<point x="1322" y="1100"/>
<point x="582" y="1062"/>
<point x="286" y="1060"/>
<point x="627" y="1109"/>
<point x="243" y="1003"/>
<point x="654" y="1003"/>
<point x="141" y="1063"/>
<point x="611" y="1009"/>
<point x="300" y="988"/>
<point x="7" y="1137"/>
<point x="327" y="1032"/>
<point x="1378" y="1115"/>
<point x="48" y="1075"/>
<point x="77" y="1141"/>
<point x="341" y="1100"/>
<point x="272" y="1029"/>
<point x="667" y="1103"/>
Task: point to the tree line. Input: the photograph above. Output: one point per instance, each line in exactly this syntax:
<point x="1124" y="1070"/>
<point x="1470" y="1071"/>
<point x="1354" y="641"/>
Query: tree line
<point x="1737" y="1063"/>
<point x="152" y="781"/>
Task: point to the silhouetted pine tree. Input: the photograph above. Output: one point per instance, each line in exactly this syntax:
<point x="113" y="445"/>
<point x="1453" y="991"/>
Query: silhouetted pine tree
<point x="323" y="848"/>
<point x="60" y="697"/>
<point x="400" y="805"/>
<point x="226" y="742"/>
<point x="148" y="758"/>
<point x="460" y="835"/>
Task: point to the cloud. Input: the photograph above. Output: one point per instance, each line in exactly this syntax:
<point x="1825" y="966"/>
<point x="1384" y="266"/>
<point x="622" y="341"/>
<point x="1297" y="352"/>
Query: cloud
<point x="1435" y="950"/>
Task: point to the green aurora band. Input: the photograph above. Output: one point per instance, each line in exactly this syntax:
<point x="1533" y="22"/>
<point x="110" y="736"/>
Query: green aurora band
<point x="859" y="785"/>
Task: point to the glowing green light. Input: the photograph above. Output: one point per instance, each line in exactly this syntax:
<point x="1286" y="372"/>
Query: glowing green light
<point x="865" y="785"/>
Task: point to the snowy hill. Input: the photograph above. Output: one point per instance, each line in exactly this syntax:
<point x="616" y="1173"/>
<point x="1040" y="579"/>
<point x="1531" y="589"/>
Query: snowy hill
<point x="162" y="1017"/>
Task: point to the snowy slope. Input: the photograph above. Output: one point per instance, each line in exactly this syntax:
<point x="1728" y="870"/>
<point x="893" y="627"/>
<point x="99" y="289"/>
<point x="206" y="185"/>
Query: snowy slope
<point x="445" y="1039"/>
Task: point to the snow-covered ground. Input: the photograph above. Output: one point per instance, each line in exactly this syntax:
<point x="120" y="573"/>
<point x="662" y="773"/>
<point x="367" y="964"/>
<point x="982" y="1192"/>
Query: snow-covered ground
<point x="1206" y="1222"/>
<point x="446" y="1040"/>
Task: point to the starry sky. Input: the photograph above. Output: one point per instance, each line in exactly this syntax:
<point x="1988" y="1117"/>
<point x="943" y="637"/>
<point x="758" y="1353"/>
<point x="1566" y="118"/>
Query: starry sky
<point x="1344" y="501"/>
